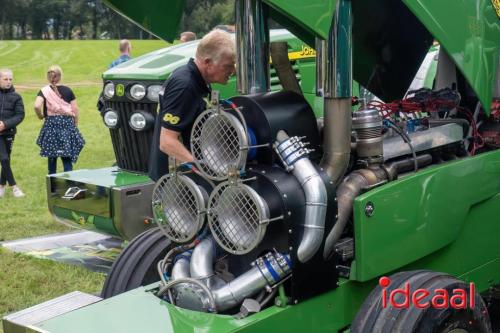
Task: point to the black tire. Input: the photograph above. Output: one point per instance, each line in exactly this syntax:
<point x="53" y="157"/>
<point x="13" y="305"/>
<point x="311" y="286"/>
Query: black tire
<point x="136" y="265"/>
<point x="373" y="318"/>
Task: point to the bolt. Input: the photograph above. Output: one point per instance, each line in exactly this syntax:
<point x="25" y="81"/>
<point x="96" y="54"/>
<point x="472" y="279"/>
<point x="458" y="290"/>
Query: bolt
<point x="290" y="248"/>
<point x="331" y="182"/>
<point x="263" y="172"/>
<point x="290" y="231"/>
<point x="275" y="180"/>
<point x="369" y="209"/>
<point x="285" y="196"/>
<point x="335" y="199"/>
<point x="336" y="217"/>
<point x="289" y="213"/>
<point x="295" y="302"/>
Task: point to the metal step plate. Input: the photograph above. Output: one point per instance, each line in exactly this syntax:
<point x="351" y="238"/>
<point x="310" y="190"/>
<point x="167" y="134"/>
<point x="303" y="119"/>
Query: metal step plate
<point x="23" y="321"/>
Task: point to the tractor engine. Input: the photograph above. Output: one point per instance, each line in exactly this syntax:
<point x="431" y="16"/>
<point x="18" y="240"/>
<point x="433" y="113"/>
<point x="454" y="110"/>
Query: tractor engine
<point x="253" y="211"/>
<point x="257" y="210"/>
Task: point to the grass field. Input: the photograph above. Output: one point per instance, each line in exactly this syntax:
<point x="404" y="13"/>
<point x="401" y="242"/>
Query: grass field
<point x="25" y="281"/>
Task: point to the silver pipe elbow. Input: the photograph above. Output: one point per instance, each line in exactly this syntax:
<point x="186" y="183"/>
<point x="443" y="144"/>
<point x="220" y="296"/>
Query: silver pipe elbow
<point x="202" y="259"/>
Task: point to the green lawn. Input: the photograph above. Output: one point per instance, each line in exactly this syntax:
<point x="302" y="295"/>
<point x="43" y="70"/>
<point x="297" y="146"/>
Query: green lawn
<point x="25" y="281"/>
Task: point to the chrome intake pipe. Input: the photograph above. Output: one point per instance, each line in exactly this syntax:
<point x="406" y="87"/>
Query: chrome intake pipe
<point x="202" y="263"/>
<point x="294" y="155"/>
<point x="267" y="270"/>
<point x="202" y="260"/>
<point x="181" y="267"/>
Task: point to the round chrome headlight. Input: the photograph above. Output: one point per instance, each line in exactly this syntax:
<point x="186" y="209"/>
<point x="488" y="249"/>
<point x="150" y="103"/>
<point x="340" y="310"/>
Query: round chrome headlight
<point x="154" y="92"/>
<point x="137" y="121"/>
<point x="141" y="120"/>
<point x="137" y="91"/>
<point x="109" y="90"/>
<point x="111" y="118"/>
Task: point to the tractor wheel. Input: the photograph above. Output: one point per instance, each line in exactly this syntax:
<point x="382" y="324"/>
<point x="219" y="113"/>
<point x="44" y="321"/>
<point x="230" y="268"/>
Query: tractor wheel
<point x="136" y="265"/>
<point x="372" y="317"/>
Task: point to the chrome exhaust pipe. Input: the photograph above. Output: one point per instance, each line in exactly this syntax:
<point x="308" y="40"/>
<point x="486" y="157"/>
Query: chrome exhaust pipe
<point x="338" y="92"/>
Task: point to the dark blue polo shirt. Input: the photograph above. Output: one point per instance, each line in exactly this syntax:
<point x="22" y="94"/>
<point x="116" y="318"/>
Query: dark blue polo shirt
<point x="182" y="101"/>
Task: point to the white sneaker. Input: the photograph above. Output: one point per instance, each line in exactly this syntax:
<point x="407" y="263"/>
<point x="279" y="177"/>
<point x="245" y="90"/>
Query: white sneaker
<point x="17" y="193"/>
<point x="2" y="191"/>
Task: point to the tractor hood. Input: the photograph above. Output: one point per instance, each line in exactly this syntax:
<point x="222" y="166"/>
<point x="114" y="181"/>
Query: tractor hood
<point x="158" y="65"/>
<point x="391" y="37"/>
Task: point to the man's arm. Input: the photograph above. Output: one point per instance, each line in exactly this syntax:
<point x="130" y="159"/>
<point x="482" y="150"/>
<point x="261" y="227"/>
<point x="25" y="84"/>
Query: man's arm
<point x="170" y="145"/>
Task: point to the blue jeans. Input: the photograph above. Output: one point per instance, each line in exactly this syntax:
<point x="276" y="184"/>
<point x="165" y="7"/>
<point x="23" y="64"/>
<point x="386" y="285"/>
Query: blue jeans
<point x="67" y="165"/>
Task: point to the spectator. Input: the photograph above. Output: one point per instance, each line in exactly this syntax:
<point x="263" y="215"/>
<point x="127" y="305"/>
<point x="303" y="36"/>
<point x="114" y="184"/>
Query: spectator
<point x="11" y="115"/>
<point x="183" y="99"/>
<point x="187" y="36"/>
<point x="59" y="136"/>
<point x="125" y="49"/>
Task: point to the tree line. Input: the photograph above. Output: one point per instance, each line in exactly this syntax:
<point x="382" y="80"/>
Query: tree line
<point x="91" y="19"/>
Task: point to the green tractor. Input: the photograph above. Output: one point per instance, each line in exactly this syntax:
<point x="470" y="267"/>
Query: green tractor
<point x="116" y="200"/>
<point x="380" y="220"/>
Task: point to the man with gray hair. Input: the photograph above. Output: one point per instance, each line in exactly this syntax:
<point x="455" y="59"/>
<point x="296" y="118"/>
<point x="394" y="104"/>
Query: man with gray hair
<point x="183" y="99"/>
<point x="125" y="48"/>
<point x="11" y="115"/>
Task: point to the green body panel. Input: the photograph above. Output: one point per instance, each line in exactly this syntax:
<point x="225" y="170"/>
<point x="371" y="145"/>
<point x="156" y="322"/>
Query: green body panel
<point x="422" y="213"/>
<point x="160" y="18"/>
<point x="470" y="33"/>
<point x="140" y="310"/>
<point x="87" y="221"/>
<point x="314" y="16"/>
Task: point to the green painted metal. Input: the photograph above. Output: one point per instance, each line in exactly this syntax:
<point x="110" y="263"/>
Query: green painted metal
<point x="106" y="177"/>
<point x="87" y="221"/>
<point x="470" y="33"/>
<point x="140" y="310"/>
<point x="160" y="18"/>
<point x="95" y="211"/>
<point x="326" y="313"/>
<point x="314" y="16"/>
<point x="422" y="213"/>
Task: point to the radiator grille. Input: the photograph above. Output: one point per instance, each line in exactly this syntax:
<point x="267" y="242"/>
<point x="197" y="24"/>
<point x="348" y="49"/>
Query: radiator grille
<point x="131" y="147"/>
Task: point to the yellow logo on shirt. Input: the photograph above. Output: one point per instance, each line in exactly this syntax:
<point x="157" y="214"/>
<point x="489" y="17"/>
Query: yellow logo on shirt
<point x="170" y="118"/>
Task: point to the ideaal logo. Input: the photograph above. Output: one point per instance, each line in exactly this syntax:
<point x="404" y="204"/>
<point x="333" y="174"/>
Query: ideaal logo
<point x="401" y="298"/>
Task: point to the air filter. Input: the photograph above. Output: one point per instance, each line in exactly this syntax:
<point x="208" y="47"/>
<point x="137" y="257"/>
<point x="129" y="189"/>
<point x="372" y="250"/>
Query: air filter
<point x="219" y="144"/>
<point x="179" y="207"/>
<point x="238" y="217"/>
